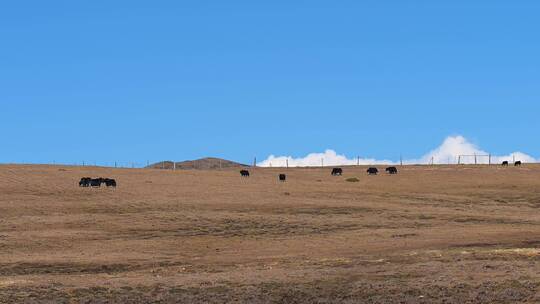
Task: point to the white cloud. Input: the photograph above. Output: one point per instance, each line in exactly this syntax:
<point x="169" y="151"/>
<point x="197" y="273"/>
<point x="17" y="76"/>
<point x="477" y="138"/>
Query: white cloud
<point x="447" y="152"/>
<point x="328" y="158"/>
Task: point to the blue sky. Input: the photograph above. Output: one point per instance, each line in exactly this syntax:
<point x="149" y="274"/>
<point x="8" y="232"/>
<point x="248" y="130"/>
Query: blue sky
<point x="105" y="81"/>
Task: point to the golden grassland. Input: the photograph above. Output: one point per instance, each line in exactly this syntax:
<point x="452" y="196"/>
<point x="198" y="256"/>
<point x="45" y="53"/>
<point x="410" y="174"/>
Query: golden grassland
<point x="431" y="234"/>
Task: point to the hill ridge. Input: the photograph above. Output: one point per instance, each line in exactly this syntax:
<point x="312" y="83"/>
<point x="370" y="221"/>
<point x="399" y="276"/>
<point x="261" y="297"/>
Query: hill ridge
<point x="205" y="163"/>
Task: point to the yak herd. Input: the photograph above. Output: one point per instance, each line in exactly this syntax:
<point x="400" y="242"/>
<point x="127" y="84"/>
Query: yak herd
<point x="97" y="182"/>
<point x="370" y="171"/>
<point x="335" y="172"/>
<point x="109" y="182"/>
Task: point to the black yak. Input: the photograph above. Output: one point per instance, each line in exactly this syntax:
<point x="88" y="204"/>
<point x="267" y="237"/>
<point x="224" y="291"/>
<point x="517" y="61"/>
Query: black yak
<point x="96" y="182"/>
<point x="337" y="171"/>
<point x="392" y="170"/>
<point x="85" y="182"/>
<point x="109" y="182"/>
<point x="372" y="171"/>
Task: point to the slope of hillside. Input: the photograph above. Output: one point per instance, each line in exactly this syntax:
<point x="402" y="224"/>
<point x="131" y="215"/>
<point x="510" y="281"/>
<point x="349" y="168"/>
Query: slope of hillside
<point x="208" y="163"/>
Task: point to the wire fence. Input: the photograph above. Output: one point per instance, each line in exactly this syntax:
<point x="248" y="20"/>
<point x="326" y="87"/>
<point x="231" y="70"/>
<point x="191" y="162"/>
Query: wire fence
<point x="170" y="165"/>
<point x="111" y="164"/>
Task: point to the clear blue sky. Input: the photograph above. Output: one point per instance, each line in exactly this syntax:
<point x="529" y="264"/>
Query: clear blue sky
<point x="151" y="80"/>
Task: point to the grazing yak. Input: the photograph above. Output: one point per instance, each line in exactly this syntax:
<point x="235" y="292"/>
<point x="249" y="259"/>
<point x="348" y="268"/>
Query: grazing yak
<point x="518" y="163"/>
<point x="391" y="170"/>
<point x="96" y="182"/>
<point x="337" y="171"/>
<point x="85" y="182"/>
<point x="505" y="163"/>
<point x="282" y="177"/>
<point x="244" y="173"/>
<point x="109" y="182"/>
<point x="372" y="171"/>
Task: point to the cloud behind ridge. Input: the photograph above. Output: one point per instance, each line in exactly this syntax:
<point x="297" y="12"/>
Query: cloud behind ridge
<point x="447" y="152"/>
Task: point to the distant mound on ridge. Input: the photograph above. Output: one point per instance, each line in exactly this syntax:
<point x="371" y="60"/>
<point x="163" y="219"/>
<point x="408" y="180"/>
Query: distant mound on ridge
<point x="208" y="163"/>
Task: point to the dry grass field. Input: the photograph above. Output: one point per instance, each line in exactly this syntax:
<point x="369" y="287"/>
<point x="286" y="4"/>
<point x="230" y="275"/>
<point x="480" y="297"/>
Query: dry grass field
<point x="444" y="234"/>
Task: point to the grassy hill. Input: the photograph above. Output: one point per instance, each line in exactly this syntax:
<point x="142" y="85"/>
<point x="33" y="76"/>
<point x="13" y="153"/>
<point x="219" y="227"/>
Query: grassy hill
<point x="208" y="163"/>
